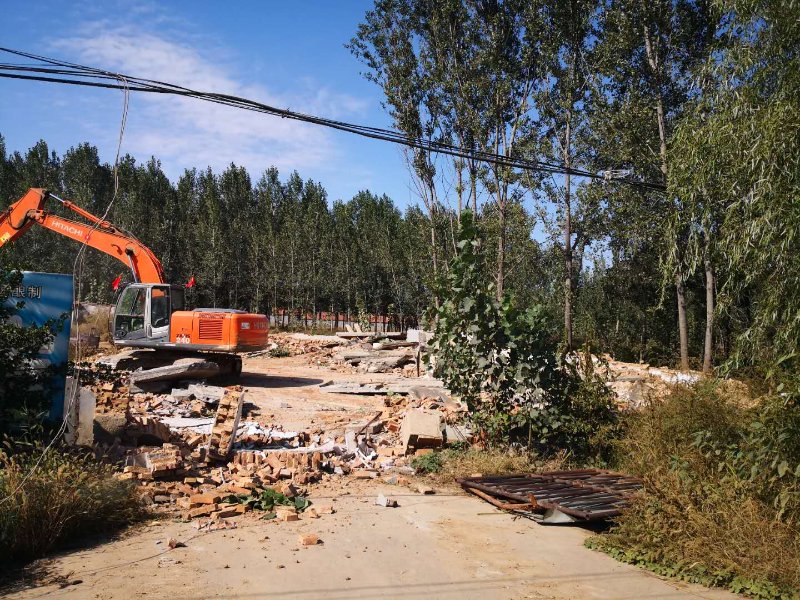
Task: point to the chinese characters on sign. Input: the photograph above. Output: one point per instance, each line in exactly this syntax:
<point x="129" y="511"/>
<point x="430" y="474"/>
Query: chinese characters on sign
<point x="32" y="291"/>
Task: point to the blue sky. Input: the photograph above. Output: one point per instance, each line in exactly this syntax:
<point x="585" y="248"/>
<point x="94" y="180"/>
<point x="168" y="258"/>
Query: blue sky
<point x="286" y="54"/>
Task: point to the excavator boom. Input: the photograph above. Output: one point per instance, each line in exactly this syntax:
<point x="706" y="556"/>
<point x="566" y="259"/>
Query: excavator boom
<point x="150" y="313"/>
<point x="101" y="235"/>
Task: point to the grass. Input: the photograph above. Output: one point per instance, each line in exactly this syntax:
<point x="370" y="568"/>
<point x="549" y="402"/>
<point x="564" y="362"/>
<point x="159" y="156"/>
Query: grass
<point x="719" y="508"/>
<point x="447" y="465"/>
<point x="68" y="496"/>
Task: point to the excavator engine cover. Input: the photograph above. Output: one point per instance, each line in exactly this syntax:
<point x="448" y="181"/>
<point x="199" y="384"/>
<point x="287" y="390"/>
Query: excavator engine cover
<point x="219" y="329"/>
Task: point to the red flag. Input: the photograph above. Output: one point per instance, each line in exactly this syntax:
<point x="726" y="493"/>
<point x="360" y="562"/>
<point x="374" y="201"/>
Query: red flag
<point x="116" y="282"/>
<point x="190" y="283"/>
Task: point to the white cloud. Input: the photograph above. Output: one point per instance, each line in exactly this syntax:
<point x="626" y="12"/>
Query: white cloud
<point x="185" y="132"/>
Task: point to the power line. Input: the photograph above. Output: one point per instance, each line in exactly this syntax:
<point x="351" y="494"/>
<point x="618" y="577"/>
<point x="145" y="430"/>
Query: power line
<point x="61" y="72"/>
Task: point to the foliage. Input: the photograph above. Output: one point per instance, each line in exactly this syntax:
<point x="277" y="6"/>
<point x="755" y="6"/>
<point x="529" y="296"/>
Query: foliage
<point x="722" y="484"/>
<point x="503" y="363"/>
<point x="258" y="245"/>
<point x="267" y="499"/>
<point x="737" y="163"/>
<point x="279" y="352"/>
<point x="428" y="463"/>
<point x="698" y="94"/>
<point x="68" y="495"/>
<point x="454" y="462"/>
<point x="23" y="390"/>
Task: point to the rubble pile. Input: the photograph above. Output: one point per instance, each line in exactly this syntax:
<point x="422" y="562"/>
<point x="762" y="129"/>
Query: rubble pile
<point x="378" y="357"/>
<point x="194" y="451"/>
<point x="368" y="353"/>
<point x="294" y="344"/>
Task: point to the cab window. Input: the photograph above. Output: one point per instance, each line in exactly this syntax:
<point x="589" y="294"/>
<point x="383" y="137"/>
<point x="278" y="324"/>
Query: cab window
<point x="129" y="317"/>
<point x="159" y="307"/>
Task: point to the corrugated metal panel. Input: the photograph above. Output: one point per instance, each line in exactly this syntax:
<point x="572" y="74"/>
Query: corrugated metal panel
<point x="585" y="494"/>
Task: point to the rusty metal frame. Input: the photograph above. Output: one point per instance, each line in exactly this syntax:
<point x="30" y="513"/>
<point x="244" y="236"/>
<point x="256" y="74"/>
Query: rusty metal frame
<point x="586" y="494"/>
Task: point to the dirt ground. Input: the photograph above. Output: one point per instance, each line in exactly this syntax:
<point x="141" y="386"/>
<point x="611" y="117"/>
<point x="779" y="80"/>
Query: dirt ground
<point x="446" y="545"/>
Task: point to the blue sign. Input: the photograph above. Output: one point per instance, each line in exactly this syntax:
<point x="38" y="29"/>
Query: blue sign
<point x="47" y="296"/>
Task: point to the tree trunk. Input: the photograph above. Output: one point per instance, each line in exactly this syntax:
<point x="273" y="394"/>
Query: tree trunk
<point x="708" y="348"/>
<point x="683" y="327"/>
<point x="567" y="238"/>
<point x="460" y="186"/>
<point x="653" y="61"/>
<point x="501" y="247"/>
<point x="473" y="187"/>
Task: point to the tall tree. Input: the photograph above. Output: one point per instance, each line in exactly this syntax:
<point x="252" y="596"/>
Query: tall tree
<point x="562" y="102"/>
<point x="737" y="159"/>
<point x="648" y="51"/>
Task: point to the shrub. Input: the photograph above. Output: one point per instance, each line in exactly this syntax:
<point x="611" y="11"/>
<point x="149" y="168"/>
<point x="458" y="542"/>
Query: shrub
<point x="279" y="352"/>
<point x="722" y="489"/>
<point x="503" y="363"/>
<point x="68" y="495"/>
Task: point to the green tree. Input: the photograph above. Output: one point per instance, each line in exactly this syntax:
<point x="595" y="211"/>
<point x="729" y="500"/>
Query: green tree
<point x="647" y="52"/>
<point x="737" y="169"/>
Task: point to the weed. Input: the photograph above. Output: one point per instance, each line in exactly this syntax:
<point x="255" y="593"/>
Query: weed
<point x="448" y="465"/>
<point x="428" y="463"/>
<point x="722" y="484"/>
<point x="279" y="352"/>
<point x="68" y="495"/>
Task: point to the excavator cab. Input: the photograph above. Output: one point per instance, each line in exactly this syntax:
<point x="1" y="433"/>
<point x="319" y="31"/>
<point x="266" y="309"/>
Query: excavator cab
<point x="143" y="312"/>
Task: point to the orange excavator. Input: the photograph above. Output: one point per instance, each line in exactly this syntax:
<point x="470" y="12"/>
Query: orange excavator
<point x="150" y="313"/>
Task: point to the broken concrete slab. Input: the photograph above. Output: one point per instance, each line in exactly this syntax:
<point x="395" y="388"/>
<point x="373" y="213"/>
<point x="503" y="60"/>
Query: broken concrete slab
<point x="79" y="406"/>
<point x="457" y="433"/>
<point x="421" y="429"/>
<point x="196" y="424"/>
<point x="429" y="391"/>
<point x="419" y="336"/>
<point x="375" y="389"/>
<point x="210" y="394"/>
<point x="183" y="368"/>
<point x="397" y="335"/>
<point x="129" y="360"/>
<point x="383" y="364"/>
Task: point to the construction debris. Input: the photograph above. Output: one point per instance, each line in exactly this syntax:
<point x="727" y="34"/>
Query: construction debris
<point x="226" y="424"/>
<point x="202" y="452"/>
<point x="370" y="334"/>
<point x="558" y="496"/>
<point x="181" y="369"/>
<point x="420" y="430"/>
<point x="220" y="466"/>
<point x="308" y="539"/>
<point x="370" y="360"/>
<point x="382" y="500"/>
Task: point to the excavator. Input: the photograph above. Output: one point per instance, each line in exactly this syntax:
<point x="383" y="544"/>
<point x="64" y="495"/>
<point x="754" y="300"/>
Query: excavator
<point x="150" y="313"/>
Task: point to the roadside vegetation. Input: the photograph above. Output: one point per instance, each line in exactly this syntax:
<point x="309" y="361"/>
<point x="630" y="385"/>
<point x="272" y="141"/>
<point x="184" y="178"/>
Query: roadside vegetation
<point x="48" y="498"/>
<point x="722" y="492"/>
<point x="59" y="497"/>
<point x="721" y="467"/>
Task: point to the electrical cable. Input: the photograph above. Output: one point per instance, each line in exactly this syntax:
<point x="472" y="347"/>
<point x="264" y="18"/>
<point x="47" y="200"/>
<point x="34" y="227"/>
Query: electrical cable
<point x="62" y="72"/>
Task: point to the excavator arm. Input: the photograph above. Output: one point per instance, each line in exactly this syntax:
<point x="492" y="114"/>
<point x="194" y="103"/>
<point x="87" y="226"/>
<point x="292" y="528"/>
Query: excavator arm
<point x="101" y="235"/>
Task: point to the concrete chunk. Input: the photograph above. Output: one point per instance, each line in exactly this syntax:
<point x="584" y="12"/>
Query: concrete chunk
<point x="421" y="430"/>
